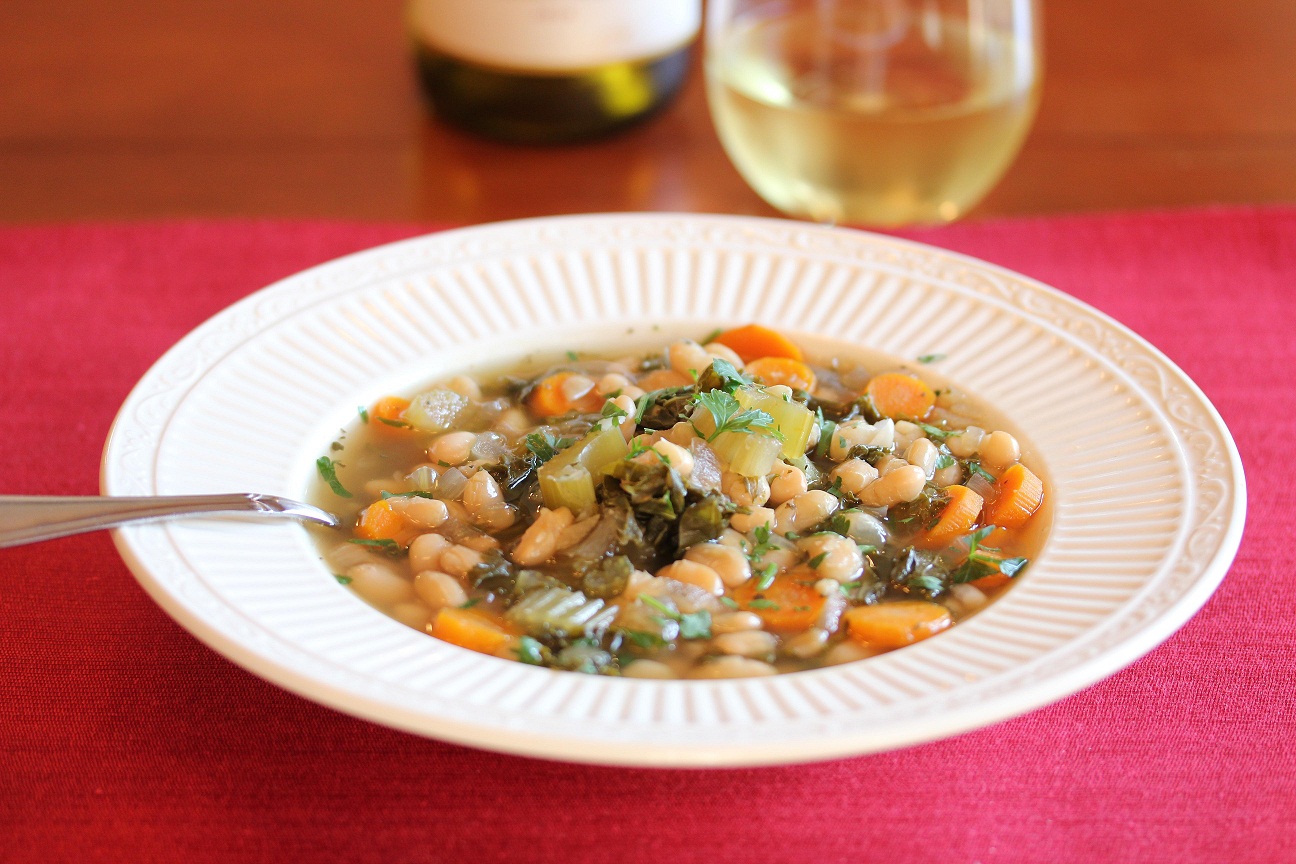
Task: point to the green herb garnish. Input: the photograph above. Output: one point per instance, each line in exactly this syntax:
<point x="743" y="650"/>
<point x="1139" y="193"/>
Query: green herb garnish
<point x="530" y="651"/>
<point x="399" y="424"/>
<point x="762" y="603"/>
<point x="729" y="416"/>
<point x="817" y="560"/>
<point x="573" y="356"/>
<point x="931" y="358"/>
<point x="391" y="547"/>
<point x="364" y="414"/>
<point x="342" y="580"/>
<point x="545" y="445"/>
<point x="328" y="470"/>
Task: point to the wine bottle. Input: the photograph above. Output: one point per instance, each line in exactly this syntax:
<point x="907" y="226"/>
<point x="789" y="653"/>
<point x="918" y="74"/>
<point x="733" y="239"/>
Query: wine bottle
<point x="551" y="71"/>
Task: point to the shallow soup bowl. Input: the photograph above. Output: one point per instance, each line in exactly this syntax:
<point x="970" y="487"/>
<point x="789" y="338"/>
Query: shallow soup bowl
<point x="1147" y="488"/>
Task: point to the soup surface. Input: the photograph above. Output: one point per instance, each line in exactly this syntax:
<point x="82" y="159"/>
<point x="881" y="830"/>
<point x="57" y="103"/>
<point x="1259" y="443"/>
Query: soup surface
<point x="721" y="508"/>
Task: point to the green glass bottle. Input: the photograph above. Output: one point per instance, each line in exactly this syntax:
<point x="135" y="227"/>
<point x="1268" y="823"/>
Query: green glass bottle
<point x="551" y="71"/>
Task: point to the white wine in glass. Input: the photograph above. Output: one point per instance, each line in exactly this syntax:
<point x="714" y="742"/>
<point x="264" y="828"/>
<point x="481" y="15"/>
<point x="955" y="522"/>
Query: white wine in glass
<point x="872" y="112"/>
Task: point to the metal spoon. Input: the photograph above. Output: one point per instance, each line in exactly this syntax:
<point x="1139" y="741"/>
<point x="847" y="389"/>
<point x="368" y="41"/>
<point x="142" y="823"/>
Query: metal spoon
<point x="32" y="518"/>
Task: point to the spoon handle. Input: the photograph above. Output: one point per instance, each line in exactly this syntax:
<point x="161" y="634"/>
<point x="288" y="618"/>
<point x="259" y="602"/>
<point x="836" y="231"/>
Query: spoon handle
<point x="32" y="518"/>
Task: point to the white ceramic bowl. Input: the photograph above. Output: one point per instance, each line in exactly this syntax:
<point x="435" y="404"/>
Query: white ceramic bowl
<point x="1147" y="486"/>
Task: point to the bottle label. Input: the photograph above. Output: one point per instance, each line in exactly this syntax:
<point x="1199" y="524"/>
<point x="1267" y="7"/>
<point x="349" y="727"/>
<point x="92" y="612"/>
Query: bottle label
<point x="554" y="35"/>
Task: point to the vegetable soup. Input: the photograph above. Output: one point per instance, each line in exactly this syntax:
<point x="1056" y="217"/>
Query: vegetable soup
<point x="721" y="508"/>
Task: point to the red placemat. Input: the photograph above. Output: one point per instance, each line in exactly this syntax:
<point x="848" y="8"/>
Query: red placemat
<point x="124" y="739"/>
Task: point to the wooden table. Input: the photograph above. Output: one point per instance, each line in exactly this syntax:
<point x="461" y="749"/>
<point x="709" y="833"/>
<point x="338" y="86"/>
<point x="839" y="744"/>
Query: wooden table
<point x="165" y="108"/>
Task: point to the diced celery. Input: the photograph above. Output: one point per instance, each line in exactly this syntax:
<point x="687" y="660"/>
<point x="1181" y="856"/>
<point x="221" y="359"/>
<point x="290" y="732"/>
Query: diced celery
<point x="792" y="419"/>
<point x="435" y="411"/>
<point x="603" y="448"/>
<point x="590" y="456"/>
<point x="750" y="454"/>
<point x="570" y="486"/>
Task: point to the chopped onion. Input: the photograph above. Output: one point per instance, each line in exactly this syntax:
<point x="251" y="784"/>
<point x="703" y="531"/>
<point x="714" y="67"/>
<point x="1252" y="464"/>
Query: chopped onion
<point x="981" y="486"/>
<point x="422" y="478"/>
<point x="450" y="484"/>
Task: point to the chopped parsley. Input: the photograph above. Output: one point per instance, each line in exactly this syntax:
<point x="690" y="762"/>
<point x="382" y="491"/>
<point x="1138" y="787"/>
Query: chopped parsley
<point x="817" y="560"/>
<point x="364" y="414"/>
<point x="530" y="651"/>
<point x="399" y="424"/>
<point x="342" y="580"/>
<point x="931" y="358"/>
<point x="391" y="547"/>
<point x="545" y="445"/>
<point x="693" y="625"/>
<point x="762" y="603"/>
<point x="328" y="470"/>
<point x="730" y="417"/>
<point x="573" y="356"/>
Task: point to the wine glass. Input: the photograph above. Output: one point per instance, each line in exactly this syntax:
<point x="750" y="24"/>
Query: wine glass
<point x="872" y="112"/>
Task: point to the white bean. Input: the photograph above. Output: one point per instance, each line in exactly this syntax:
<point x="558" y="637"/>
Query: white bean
<point x="575" y="387"/>
<point x="464" y="386"/>
<point x="903" y="484"/>
<point x="745" y="491"/>
<point x="439" y="589"/>
<point x="964" y="445"/>
<point x="858" y="433"/>
<point x="693" y="573"/>
<point x="452" y="448"/>
<point x="854" y="474"/>
<point x="753" y="519"/>
<point x="723" y="352"/>
<point x="735" y="622"/>
<point x="458" y="560"/>
<point x="648" y="669"/>
<point x="786" y="482"/>
<point x="610" y="383"/>
<point x="481" y="492"/>
<point x="730" y="564"/>
<point x="380" y="584"/>
<point x="746" y="643"/>
<point x="540" y="540"/>
<point x="847" y="651"/>
<point x="425" y="552"/>
<point x="948" y="476"/>
<point x="688" y="357"/>
<point x="411" y="613"/>
<point x="732" y="666"/>
<point x="924" y="454"/>
<point x="998" y="451"/>
<point x="807" y="644"/>
<point x="420" y="512"/>
<point x="838" y="558"/>
<point x="906" y="433"/>
<point x="805" y="511"/>
<point x="672" y="454"/>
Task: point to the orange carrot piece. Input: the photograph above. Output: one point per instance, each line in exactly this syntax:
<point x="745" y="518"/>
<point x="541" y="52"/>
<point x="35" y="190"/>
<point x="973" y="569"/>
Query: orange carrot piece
<point x="895" y="625"/>
<point x="1018" y="494"/>
<point x="379" y="522"/>
<point x="785" y="605"/>
<point x="781" y="370"/>
<point x="468" y="629"/>
<point x="390" y="408"/>
<point x="991" y="582"/>
<point x="900" y="396"/>
<point x="752" y="341"/>
<point x="550" y="399"/>
<point x="958" y="518"/>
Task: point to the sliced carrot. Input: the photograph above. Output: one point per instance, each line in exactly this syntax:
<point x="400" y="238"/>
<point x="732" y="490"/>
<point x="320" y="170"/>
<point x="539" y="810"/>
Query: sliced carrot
<point x="390" y="408"/>
<point x="1018" y="494"/>
<point x="785" y="605"/>
<point x="991" y="582"/>
<point x="467" y="629"/>
<point x="781" y="370"/>
<point x="550" y="398"/>
<point x="957" y="518"/>
<point x="379" y="522"/>
<point x="895" y="625"/>
<point x="752" y="341"/>
<point x="900" y="396"/>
